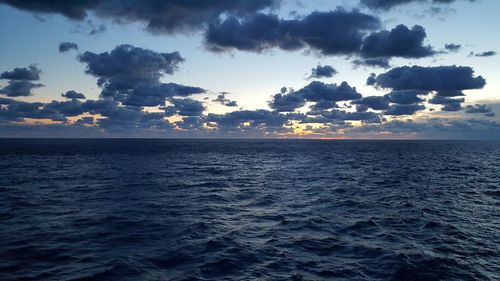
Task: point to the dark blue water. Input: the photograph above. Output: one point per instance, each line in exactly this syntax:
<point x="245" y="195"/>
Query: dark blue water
<point x="246" y="210"/>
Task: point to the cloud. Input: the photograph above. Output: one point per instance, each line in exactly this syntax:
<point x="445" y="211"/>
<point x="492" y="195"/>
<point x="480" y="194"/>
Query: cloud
<point x="26" y="73"/>
<point x="449" y="104"/>
<point x="373" y="102"/>
<point x="242" y="119"/>
<point x="341" y="115"/>
<point x="455" y="93"/>
<point x="371" y="80"/>
<point x="132" y="75"/>
<point x="322" y="105"/>
<point x="403" y="109"/>
<point x="330" y="33"/>
<point x="406" y="96"/>
<point x="185" y="107"/>
<point x="316" y="91"/>
<point x="73" y="95"/>
<point x="398" y="42"/>
<point x="440" y="78"/>
<point x="398" y="102"/>
<point x="429" y="129"/>
<point x="16" y="111"/>
<point x="486" y="54"/>
<point x="452" y="47"/>
<point x="67" y="46"/>
<point x="325" y="71"/>
<point x="388" y="4"/>
<point x="480" y="108"/>
<point x="221" y="98"/>
<point x="6" y="101"/>
<point x="165" y="16"/>
<point x="374" y="62"/>
<point x="445" y="100"/>
<point x="130" y="62"/>
<point x="283" y="102"/>
<point x="19" y="88"/>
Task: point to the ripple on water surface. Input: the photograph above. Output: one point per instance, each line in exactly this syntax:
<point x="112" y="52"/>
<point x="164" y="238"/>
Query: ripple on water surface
<point x="243" y="210"/>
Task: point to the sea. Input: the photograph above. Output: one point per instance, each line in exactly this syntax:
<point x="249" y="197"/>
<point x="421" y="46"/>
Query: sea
<point x="204" y="209"/>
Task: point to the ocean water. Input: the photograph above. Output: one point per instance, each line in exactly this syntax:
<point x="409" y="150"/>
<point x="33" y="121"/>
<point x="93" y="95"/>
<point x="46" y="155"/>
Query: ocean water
<point x="249" y="210"/>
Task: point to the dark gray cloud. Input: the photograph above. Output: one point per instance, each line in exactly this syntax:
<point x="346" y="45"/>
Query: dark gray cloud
<point x="373" y="102"/>
<point x="283" y="102"/>
<point x="445" y="100"/>
<point x="451" y="107"/>
<point x="322" y="71"/>
<point x="486" y="54"/>
<point x="373" y="62"/>
<point x="64" y="108"/>
<point x="480" y="108"/>
<point x="31" y="73"/>
<point x="456" y="93"/>
<point x="440" y="78"/>
<point x="87" y="120"/>
<point x="449" y="104"/>
<point x="406" y="96"/>
<point x="399" y="102"/>
<point x="341" y="115"/>
<point x="452" y="47"/>
<point x="388" y="4"/>
<point x="221" y="98"/>
<point x="160" y="16"/>
<point x="331" y="33"/>
<point x="323" y="105"/>
<point x="73" y="95"/>
<point x="19" y="88"/>
<point x="338" y="32"/>
<point x="185" y="107"/>
<point x="316" y="91"/>
<point x="398" y="42"/>
<point x="5" y="101"/>
<point x="127" y="61"/>
<point x="132" y="75"/>
<point x="403" y="109"/>
<point x="248" y="118"/>
<point x="430" y="129"/>
<point x="67" y="46"/>
<point x="371" y="80"/>
<point x="16" y="111"/>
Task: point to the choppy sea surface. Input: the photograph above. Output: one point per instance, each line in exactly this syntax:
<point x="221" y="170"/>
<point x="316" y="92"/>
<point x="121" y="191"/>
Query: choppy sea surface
<point x="249" y="210"/>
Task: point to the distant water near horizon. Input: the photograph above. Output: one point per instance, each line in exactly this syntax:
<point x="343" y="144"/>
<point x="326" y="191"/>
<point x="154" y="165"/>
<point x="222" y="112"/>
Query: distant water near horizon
<point x="186" y="209"/>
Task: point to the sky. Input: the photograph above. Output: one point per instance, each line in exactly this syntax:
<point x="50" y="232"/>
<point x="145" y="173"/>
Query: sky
<point x="367" y="69"/>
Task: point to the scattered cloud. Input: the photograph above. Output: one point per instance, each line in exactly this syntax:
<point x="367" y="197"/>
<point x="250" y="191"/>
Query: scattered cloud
<point x="25" y="73"/>
<point x="168" y="16"/>
<point x="322" y="71"/>
<point x="480" y="108"/>
<point x="486" y="54"/>
<point x="330" y="33"/>
<point x="20" y="81"/>
<point x="388" y="4"/>
<point x="403" y="109"/>
<point x="73" y="95"/>
<point x="221" y="99"/>
<point x="316" y="91"/>
<point x="452" y="47"/>
<point x="67" y="46"/>
<point x="131" y="75"/>
<point x="440" y="78"/>
<point x="398" y="42"/>
<point x="185" y="107"/>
